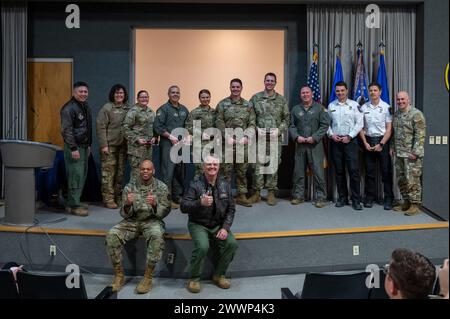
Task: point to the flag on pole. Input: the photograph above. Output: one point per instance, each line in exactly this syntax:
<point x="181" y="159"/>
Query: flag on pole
<point x="313" y="78"/>
<point x="360" y="91"/>
<point x="382" y="79"/>
<point x="338" y="77"/>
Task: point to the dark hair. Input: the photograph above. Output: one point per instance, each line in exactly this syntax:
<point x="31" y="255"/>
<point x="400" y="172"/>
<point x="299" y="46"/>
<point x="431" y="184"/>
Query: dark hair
<point x="412" y="273"/>
<point x="236" y="80"/>
<point x="141" y="91"/>
<point x="305" y="86"/>
<point x="270" y="74"/>
<point x="375" y="84"/>
<point x="114" y="89"/>
<point x="80" y="83"/>
<point x="171" y="87"/>
<point x="342" y="83"/>
<point x="204" y="91"/>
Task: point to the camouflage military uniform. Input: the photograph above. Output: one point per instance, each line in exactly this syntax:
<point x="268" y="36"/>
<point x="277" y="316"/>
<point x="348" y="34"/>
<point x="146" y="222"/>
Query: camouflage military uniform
<point x="141" y="218"/>
<point x="207" y="116"/>
<point x="138" y="123"/>
<point x="234" y="114"/>
<point x="271" y="112"/>
<point x="409" y="138"/>
<point x="109" y="134"/>
<point x="309" y="122"/>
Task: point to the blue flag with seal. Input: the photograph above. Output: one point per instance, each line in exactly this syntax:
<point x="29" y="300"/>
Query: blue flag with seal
<point x="338" y="77"/>
<point x="360" y="91"/>
<point x="382" y="79"/>
<point x="313" y="78"/>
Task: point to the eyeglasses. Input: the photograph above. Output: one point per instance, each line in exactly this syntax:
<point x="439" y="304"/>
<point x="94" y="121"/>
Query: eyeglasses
<point x="385" y="269"/>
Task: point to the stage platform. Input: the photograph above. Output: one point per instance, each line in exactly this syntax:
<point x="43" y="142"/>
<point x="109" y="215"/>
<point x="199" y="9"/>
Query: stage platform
<point x="283" y="239"/>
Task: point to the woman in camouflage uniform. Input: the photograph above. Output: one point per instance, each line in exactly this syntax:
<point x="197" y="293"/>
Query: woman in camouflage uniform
<point x="207" y="117"/>
<point x="138" y="130"/>
<point x="113" y="147"/>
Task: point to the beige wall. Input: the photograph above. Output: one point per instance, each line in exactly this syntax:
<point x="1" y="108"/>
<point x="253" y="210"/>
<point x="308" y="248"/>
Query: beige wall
<point x="198" y="59"/>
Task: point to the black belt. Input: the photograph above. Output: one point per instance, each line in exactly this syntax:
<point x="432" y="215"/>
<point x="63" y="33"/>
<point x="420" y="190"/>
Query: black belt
<point x="374" y="138"/>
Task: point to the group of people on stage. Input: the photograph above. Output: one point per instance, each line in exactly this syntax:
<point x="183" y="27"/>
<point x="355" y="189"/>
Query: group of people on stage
<point x="132" y="132"/>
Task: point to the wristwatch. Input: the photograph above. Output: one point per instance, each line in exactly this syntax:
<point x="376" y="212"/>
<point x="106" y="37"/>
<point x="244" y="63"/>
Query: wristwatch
<point x="381" y="144"/>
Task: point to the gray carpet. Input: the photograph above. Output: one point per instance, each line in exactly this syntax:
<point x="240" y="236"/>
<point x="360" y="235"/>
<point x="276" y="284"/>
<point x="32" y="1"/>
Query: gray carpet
<point x="166" y="288"/>
<point x="259" y="218"/>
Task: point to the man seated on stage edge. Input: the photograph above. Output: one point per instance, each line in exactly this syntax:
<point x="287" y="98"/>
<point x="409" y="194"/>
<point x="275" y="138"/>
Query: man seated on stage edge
<point x="210" y="206"/>
<point x="145" y="203"/>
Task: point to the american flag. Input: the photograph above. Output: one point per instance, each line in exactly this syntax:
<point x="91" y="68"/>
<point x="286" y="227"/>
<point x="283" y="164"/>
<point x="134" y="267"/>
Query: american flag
<point x="360" y="91"/>
<point x="313" y="78"/>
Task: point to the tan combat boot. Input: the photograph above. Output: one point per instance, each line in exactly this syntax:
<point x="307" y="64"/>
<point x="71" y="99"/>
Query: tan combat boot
<point x="297" y="201"/>
<point x="255" y="198"/>
<point x="78" y="211"/>
<point x="242" y="200"/>
<point x="193" y="286"/>
<point x="119" y="278"/>
<point x="111" y="204"/>
<point x="271" y="200"/>
<point x="412" y="210"/>
<point x="146" y="283"/>
<point x="402" y="207"/>
<point x="321" y="204"/>
<point x="221" y="282"/>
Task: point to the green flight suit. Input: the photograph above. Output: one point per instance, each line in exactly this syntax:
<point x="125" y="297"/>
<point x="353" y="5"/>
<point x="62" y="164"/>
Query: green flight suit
<point x="309" y="122"/>
<point x="168" y="118"/>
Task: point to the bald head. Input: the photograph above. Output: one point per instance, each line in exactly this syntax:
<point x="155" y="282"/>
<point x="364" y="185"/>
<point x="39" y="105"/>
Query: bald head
<point x="402" y="100"/>
<point x="147" y="170"/>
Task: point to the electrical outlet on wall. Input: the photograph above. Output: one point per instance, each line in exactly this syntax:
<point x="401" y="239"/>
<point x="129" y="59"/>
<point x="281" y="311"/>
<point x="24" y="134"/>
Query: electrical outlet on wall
<point x="438" y="140"/>
<point x="170" y="258"/>
<point x="355" y="250"/>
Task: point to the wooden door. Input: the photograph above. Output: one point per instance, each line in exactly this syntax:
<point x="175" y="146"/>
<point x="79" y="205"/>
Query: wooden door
<point x="49" y="88"/>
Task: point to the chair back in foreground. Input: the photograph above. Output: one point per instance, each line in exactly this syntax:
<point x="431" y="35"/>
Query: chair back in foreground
<point x="33" y="285"/>
<point x="345" y="285"/>
<point x="8" y="288"/>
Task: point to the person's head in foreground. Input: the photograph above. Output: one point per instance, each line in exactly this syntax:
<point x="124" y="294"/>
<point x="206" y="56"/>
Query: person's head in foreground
<point x="409" y="275"/>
